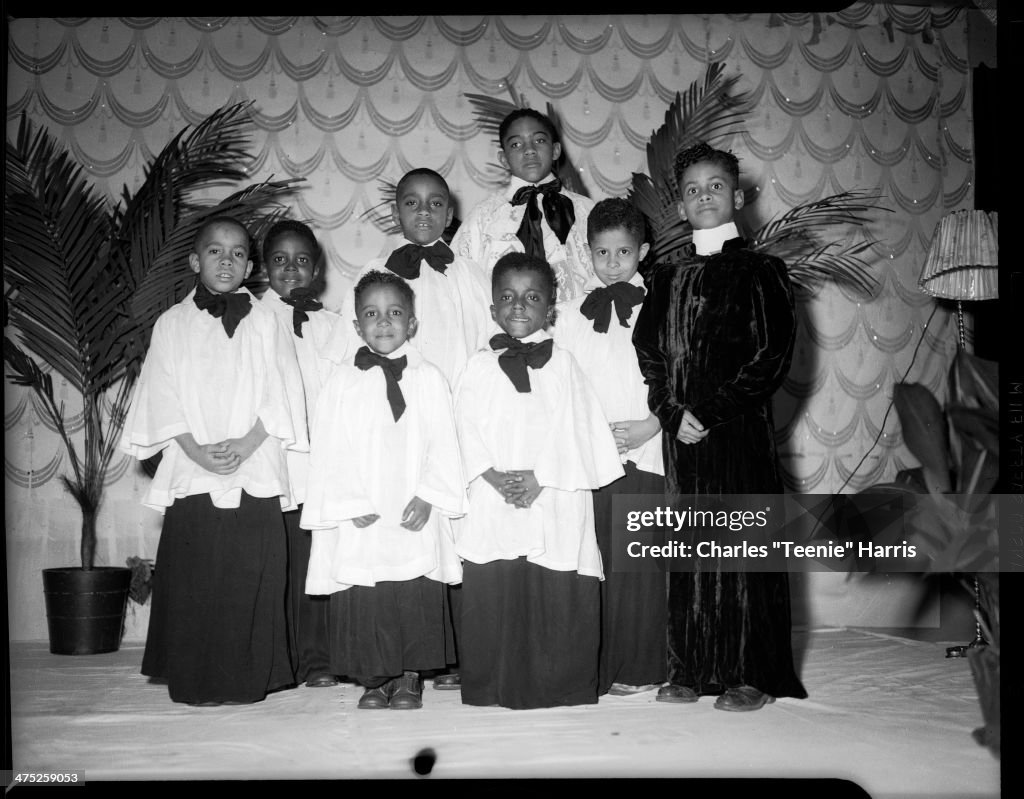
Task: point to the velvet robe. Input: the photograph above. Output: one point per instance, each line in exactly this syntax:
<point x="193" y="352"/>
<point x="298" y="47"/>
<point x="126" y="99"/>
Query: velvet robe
<point x="715" y="335"/>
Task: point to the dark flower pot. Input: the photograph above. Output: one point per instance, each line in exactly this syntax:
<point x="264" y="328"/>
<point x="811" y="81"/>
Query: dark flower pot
<point x="85" y="609"/>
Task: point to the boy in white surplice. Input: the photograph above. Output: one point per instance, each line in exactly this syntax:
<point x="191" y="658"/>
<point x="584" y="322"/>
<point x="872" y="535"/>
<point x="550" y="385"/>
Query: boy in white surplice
<point x="385" y="480"/>
<point x="535" y="443"/>
<point x="220" y="397"/>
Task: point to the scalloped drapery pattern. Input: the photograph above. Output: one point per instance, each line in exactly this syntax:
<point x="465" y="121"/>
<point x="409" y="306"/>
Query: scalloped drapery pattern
<point x="874" y="96"/>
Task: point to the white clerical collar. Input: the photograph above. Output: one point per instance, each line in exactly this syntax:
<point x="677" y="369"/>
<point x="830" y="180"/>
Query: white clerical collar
<point x="710" y="241"/>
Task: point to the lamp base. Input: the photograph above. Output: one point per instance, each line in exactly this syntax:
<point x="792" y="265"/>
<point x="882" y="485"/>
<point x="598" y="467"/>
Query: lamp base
<point x="961" y="650"/>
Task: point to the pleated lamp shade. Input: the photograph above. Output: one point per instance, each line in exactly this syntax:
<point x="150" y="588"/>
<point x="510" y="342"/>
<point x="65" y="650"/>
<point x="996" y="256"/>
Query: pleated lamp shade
<point x="963" y="260"/>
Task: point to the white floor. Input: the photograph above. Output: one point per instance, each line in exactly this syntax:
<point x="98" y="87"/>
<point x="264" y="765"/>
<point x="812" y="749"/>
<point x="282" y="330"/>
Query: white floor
<point x="890" y="714"/>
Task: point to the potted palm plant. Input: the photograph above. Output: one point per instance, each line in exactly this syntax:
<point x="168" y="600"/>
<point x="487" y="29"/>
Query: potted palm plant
<point x="84" y="281"/>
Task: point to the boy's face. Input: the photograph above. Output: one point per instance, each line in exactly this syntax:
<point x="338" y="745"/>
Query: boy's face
<point x="383" y="319"/>
<point x="423" y="210"/>
<point x="222" y="258"/>
<point x="291" y="263"/>
<point x="522" y="302"/>
<point x="709" y="198"/>
<point x="616" y="255"/>
<point x="528" y="151"/>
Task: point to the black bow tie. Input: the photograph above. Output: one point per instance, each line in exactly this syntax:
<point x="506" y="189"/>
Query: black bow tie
<point x="393" y="367"/>
<point x="405" y="261"/>
<point x="231" y="309"/>
<point x="302" y="300"/>
<point x="518" y="356"/>
<point x="598" y="304"/>
<point x="558" y="212"/>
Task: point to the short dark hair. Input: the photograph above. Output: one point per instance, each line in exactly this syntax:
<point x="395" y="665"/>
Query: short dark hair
<point x="521" y="113"/>
<point x="521" y="262"/>
<point x="294" y="226"/>
<point x="217" y="221"/>
<point x="616" y="213"/>
<point x="422" y="172"/>
<point x="375" y="277"/>
<point x="702" y="151"/>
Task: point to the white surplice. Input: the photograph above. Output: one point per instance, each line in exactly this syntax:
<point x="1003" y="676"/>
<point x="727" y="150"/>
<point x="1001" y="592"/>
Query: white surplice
<point x="609" y="361"/>
<point x="559" y="431"/>
<point x="195" y="379"/>
<point x="362" y="462"/>
<point x="313" y="367"/>
<point x="452" y="310"/>
<point x="489" y="232"/>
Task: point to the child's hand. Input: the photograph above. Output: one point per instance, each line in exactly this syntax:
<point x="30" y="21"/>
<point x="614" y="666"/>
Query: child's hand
<point x="241" y="448"/>
<point x="365" y="521"/>
<point x="415" y="514"/>
<point x="216" y="458"/>
<point x="690" y="429"/>
<point x="632" y="433"/>
<point x="531" y="489"/>
<point x="246" y="445"/>
<point x="508" y="484"/>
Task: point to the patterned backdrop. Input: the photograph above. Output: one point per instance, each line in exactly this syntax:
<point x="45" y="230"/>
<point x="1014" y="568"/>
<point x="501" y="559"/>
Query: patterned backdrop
<point x="874" y="96"/>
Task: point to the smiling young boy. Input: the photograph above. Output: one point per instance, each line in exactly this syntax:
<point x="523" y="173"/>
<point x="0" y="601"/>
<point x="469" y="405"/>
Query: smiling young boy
<point x="451" y="293"/>
<point x="534" y="443"/>
<point x="385" y="481"/>
<point x="221" y="397"/>
<point x="596" y="328"/>
<point x="534" y="214"/>
<point x="714" y="339"/>
<point x="291" y="256"/>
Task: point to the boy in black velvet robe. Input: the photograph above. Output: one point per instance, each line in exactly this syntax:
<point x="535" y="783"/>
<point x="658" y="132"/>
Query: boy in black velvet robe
<point x="714" y="341"/>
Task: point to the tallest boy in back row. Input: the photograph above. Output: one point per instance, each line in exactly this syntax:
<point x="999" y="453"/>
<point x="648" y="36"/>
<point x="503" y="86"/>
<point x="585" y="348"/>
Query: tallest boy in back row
<point x="714" y="340"/>
<point x="534" y="214"/>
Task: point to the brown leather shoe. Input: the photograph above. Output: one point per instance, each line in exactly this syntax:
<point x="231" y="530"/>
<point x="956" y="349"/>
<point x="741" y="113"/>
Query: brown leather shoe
<point x="408" y="693"/>
<point x="743" y="699"/>
<point x="377" y="698"/>
<point x="448" y="682"/>
<point x="679" y="694"/>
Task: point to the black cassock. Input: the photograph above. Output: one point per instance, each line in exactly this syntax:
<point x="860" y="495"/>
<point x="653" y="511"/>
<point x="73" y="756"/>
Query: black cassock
<point x="715" y="336"/>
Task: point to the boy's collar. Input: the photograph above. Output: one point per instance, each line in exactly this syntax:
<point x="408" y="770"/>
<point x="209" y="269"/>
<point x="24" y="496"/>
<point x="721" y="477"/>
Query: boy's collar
<point x="535" y="336"/>
<point x="405" y="349"/>
<point x="517" y="183"/>
<point x="414" y="244"/>
<point x="710" y="241"/>
<point x="594" y="282"/>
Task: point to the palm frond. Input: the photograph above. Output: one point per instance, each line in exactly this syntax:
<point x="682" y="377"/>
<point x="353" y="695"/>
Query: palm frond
<point x="565" y="168"/>
<point x="807" y="238"/>
<point x="55" y="226"/>
<point x="707" y="110"/>
<point x="380" y="214"/>
<point x="490" y="111"/>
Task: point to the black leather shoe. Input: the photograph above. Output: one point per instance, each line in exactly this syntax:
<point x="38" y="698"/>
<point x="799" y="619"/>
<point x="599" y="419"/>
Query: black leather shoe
<point x="376" y="698"/>
<point x="448" y="682"/>
<point x="321" y="681"/>
<point x="679" y="694"/>
<point x="743" y="699"/>
<point x="408" y="693"/>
